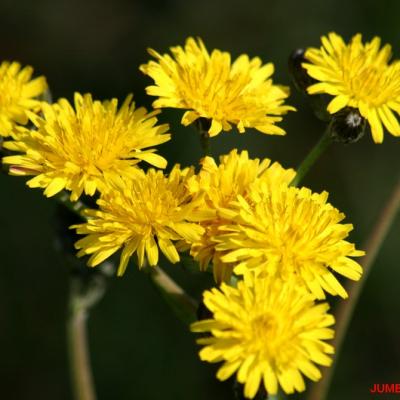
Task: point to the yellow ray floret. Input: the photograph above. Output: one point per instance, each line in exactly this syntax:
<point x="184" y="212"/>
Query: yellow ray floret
<point x="80" y="148"/>
<point x="141" y="215"/>
<point x="17" y="95"/>
<point x="290" y="233"/>
<point x="269" y="332"/>
<point x="211" y="86"/>
<point x="219" y="184"/>
<point x="360" y="76"/>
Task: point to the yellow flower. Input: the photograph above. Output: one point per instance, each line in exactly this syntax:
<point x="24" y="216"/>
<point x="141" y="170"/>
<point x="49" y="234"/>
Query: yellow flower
<point x="290" y="233"/>
<point x="359" y="76"/>
<point x="210" y="86"/>
<point x="220" y="184"/>
<point x="17" y="95"/>
<point x="134" y="213"/>
<point x="80" y="149"/>
<point x="268" y="332"/>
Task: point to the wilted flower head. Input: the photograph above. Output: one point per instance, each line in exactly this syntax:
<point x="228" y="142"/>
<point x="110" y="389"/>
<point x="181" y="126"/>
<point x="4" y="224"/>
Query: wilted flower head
<point x="81" y="148"/>
<point x="358" y="76"/>
<point x="211" y="86"/>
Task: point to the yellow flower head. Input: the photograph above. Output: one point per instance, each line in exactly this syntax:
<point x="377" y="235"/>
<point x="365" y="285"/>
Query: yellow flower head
<point x="358" y="75"/>
<point x="17" y="95"/>
<point x="268" y="332"/>
<point x="210" y="86"/>
<point x="290" y="233"/>
<point x="140" y="215"/>
<point x="80" y="149"/>
<point x="220" y="184"/>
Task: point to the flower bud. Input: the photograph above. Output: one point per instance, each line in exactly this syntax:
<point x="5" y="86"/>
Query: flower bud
<point x="302" y="81"/>
<point x="347" y="125"/>
<point x="299" y="75"/>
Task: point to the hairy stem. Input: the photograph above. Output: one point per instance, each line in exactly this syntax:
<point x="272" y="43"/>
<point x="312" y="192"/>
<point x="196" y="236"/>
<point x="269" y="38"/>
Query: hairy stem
<point x="182" y="304"/>
<point x="81" y="373"/>
<point x="82" y="298"/>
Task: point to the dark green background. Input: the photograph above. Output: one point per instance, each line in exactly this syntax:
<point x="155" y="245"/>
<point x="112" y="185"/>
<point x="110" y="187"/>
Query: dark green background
<point x="139" y="350"/>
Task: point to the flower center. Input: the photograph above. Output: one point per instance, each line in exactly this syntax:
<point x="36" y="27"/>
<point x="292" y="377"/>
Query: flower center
<point x="372" y="84"/>
<point x="156" y="203"/>
<point x="366" y="82"/>
<point x="264" y="337"/>
<point x="270" y="339"/>
<point x="264" y="325"/>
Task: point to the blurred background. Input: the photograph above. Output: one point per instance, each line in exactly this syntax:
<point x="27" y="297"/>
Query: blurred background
<point x="139" y="350"/>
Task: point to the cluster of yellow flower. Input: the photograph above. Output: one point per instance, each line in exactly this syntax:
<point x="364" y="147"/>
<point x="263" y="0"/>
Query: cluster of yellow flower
<point x="282" y="244"/>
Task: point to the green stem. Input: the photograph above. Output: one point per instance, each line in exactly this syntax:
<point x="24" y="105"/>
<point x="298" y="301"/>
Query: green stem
<point x="183" y="305"/>
<point x="345" y="310"/>
<point x="312" y="157"/>
<point x="82" y="298"/>
<point x="279" y="396"/>
<point x="79" y="358"/>
<point x="81" y="374"/>
<point x="205" y="143"/>
<point x="203" y="125"/>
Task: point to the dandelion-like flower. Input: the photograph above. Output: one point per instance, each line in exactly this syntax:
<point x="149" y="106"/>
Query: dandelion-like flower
<point x="290" y="233"/>
<point x="210" y="86"/>
<point x="360" y="76"/>
<point x="141" y="215"/>
<point x="80" y="149"/>
<point x="17" y="95"/>
<point x="267" y="332"/>
<point x="220" y="185"/>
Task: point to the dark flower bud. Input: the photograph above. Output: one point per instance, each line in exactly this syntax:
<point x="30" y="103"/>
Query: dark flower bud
<point x="302" y="81"/>
<point x="347" y="125"/>
<point x="300" y="77"/>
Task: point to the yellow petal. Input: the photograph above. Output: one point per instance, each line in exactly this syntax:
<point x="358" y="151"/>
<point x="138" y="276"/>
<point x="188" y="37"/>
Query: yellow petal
<point x="151" y="251"/>
<point x="189" y="117"/>
<point x="169" y="250"/>
<point x="215" y="128"/>
<point x="152" y="158"/>
<point x="55" y="186"/>
<point x="376" y="126"/>
<point x="338" y="103"/>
